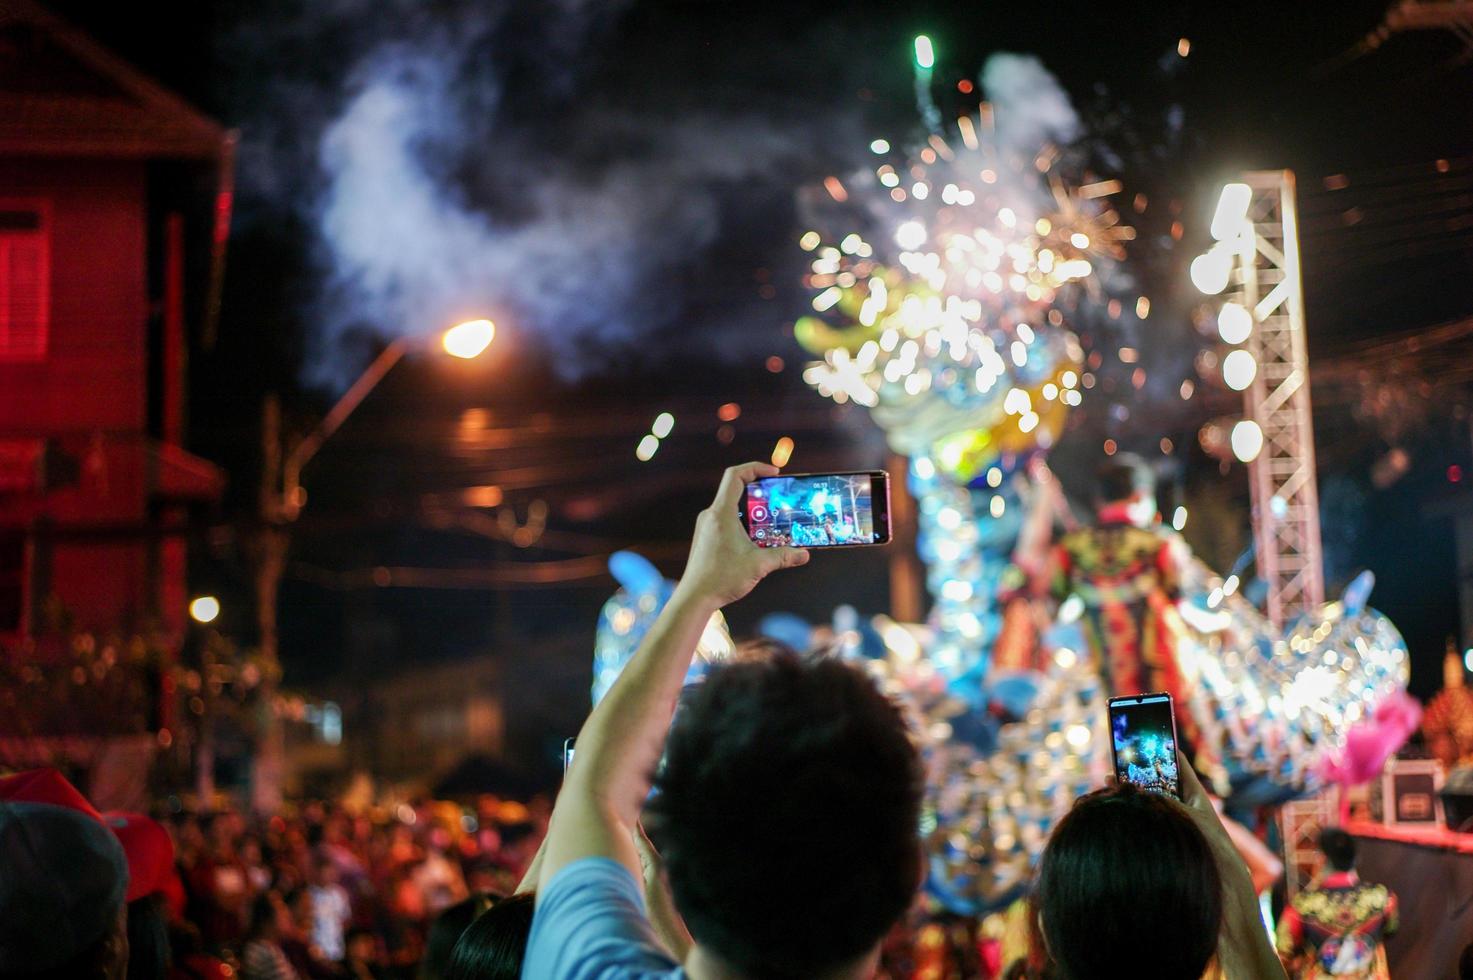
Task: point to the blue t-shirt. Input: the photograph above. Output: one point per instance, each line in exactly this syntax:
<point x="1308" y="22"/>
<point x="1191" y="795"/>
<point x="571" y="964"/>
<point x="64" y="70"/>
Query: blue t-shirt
<point x="590" y="924"/>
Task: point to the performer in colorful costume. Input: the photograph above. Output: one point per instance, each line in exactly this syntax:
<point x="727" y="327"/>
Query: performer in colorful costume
<point x="1125" y="570"/>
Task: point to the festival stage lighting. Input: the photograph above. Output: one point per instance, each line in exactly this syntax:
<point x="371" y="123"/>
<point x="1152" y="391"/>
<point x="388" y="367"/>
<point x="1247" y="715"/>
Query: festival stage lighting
<point x="1210" y="271"/>
<point x="1247" y="441"/>
<point x="647" y="448"/>
<point x="925" y="53"/>
<point x="782" y="452"/>
<point x="469" y="339"/>
<point x="1234" y="323"/>
<point x="1239" y="369"/>
<point x="1179" y="519"/>
<point x="204" y="609"/>
<point x="1230" y="220"/>
<point x="880" y="146"/>
<point x="664" y="422"/>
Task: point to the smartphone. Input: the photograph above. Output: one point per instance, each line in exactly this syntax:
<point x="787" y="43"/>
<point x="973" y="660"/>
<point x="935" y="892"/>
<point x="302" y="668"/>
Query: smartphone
<point x="1143" y="742"/>
<point x="818" y="510"/>
<point x="568" y="754"/>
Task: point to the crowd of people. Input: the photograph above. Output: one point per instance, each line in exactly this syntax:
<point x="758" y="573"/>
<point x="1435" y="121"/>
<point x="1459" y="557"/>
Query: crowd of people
<point x="346" y="894"/>
<point x="779" y="842"/>
<point x="315" y="893"/>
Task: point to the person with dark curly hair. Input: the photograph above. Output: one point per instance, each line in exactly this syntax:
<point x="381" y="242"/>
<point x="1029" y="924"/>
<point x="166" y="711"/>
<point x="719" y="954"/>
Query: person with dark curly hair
<point x="787" y="808"/>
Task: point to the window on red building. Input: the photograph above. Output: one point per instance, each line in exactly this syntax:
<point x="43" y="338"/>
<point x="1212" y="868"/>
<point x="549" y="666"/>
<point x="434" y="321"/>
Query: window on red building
<point x="12" y="581"/>
<point x="25" y="280"/>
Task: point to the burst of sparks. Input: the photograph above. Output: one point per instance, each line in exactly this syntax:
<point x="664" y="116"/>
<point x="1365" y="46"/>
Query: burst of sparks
<point x="964" y="278"/>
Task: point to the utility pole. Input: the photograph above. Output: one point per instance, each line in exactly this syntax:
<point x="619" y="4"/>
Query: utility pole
<point x="269" y="554"/>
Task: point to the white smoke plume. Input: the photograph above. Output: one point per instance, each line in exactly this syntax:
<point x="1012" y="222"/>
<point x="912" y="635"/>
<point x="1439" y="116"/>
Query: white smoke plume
<point x="1032" y="109"/>
<point x="468" y="166"/>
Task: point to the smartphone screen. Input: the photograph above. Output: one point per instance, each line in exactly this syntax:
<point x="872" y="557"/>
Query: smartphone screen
<point x="1143" y="738"/>
<point x="567" y="754"/>
<point x="818" y="510"/>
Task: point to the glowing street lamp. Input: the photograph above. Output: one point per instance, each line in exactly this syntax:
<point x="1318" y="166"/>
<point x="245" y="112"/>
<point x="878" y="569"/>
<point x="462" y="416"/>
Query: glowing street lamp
<point x="204" y="609"/>
<point x="465" y="340"/>
<point x="469" y="339"/>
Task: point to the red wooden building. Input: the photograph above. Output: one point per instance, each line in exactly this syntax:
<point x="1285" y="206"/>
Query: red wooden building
<point x="114" y="205"/>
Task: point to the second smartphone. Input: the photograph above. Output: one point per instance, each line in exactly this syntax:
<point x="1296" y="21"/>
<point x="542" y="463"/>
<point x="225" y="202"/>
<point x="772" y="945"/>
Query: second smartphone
<point x="1143" y="742"/>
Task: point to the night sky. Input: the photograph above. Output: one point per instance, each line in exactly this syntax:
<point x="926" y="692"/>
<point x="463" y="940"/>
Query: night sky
<point x="679" y="142"/>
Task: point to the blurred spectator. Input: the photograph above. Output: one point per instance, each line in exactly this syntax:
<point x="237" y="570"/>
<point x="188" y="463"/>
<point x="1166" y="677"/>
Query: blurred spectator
<point x="364" y="960"/>
<point x="331" y="910"/>
<point x="263" y="958"/>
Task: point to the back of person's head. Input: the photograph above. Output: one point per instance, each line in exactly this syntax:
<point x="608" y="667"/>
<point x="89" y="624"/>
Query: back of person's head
<point x="1338" y="848"/>
<point x="149" y="952"/>
<point x="1128" y="887"/>
<point x="494" y="945"/>
<point x="63" y="877"/>
<point x="445" y="932"/>
<point x="1122" y="477"/>
<point x="787" y="816"/>
<point x="265" y="920"/>
<point x="1465" y="963"/>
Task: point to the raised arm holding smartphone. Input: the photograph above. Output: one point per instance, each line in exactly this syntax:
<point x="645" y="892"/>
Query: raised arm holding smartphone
<point x="597" y="813"/>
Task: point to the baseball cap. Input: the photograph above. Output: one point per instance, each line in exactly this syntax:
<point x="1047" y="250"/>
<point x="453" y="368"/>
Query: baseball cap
<point x="63" y="885"/>
<point x="149" y="851"/>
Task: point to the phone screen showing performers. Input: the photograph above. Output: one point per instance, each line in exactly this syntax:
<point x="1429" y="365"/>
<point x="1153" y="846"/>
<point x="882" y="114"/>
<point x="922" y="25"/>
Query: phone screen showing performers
<point x="1143" y="736"/>
<point x="818" y="510"/>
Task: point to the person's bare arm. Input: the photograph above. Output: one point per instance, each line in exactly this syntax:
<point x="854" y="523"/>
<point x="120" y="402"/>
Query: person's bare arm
<point x="664" y="917"/>
<point x="1244" y="949"/>
<point x="620" y="744"/>
<point x="534" y="870"/>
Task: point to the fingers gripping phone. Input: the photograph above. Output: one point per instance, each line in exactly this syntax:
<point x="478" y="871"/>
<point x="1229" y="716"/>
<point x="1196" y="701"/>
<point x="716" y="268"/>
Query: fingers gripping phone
<point x="567" y="754"/>
<point x="1143" y="742"/>
<point x="818" y="510"/>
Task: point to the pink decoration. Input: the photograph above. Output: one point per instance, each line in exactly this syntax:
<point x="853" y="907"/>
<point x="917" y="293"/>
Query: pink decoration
<point x="1369" y="743"/>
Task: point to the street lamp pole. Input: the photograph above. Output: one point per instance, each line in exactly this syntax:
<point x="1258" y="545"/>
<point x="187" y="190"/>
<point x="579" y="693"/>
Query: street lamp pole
<point x="281" y="500"/>
<point x="292" y="496"/>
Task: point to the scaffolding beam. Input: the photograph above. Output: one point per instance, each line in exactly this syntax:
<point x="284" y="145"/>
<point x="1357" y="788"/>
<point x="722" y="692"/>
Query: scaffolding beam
<point x="1286" y="512"/>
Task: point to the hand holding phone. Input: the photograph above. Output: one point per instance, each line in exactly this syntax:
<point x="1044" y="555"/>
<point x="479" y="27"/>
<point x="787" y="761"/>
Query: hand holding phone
<point x="818" y="510"/>
<point x="1143" y="742"/>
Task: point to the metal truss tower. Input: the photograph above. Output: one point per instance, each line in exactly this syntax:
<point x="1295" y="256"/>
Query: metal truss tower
<point x="1286" y="513"/>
